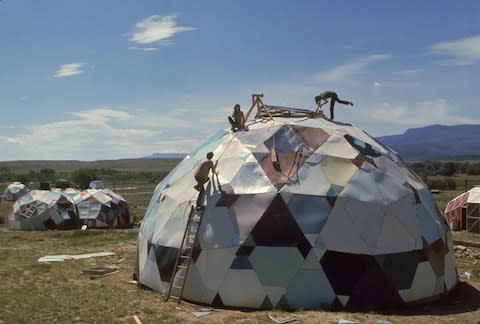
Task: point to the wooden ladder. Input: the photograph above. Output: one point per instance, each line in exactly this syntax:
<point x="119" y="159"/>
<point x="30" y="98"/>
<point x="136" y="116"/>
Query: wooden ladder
<point x="184" y="256"/>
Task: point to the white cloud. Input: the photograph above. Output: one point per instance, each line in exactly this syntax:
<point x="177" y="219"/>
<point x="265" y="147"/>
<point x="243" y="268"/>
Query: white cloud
<point x="10" y="140"/>
<point x="95" y="134"/>
<point x="464" y="51"/>
<point x="420" y="114"/>
<point x="350" y="68"/>
<point x="68" y="70"/>
<point x="392" y="84"/>
<point x="156" y="29"/>
<point x="103" y="115"/>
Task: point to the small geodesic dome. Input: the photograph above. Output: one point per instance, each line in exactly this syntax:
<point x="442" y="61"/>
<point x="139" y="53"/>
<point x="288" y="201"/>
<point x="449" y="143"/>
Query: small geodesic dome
<point x="42" y="210"/>
<point x="339" y="221"/>
<point x="14" y="191"/>
<point x="463" y="211"/>
<point x="99" y="208"/>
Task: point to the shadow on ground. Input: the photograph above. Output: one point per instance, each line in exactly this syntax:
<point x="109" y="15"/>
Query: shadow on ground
<point x="464" y="298"/>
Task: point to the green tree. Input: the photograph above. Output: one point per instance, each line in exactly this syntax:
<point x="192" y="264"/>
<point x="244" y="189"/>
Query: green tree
<point x="82" y="177"/>
<point x="46" y="175"/>
<point x="448" y="169"/>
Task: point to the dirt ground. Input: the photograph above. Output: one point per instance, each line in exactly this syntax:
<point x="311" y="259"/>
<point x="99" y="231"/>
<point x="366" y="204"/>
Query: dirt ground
<point x="59" y="292"/>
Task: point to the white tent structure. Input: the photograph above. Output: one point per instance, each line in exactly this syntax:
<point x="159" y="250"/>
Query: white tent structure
<point x="14" y="191"/>
<point x="100" y="208"/>
<point x="306" y="213"/>
<point x="42" y="210"/>
<point x="463" y="211"/>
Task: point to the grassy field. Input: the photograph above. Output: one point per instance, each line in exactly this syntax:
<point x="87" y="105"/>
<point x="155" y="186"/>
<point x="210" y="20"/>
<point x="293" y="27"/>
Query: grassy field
<point x="59" y="292"/>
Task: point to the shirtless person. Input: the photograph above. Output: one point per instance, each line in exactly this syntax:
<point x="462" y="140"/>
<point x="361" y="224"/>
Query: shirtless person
<point x="333" y="98"/>
<point x="201" y="175"/>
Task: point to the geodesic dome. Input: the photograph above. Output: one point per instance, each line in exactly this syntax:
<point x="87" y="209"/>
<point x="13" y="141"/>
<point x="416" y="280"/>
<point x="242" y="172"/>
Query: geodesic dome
<point x="339" y="221"/>
<point x="14" y="191"/>
<point x="42" y="210"/>
<point x="99" y="208"/>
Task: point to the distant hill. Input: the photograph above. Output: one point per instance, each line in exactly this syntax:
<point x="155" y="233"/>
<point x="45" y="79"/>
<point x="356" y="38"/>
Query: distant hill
<point x="166" y="156"/>
<point x="68" y="166"/>
<point x="437" y="142"/>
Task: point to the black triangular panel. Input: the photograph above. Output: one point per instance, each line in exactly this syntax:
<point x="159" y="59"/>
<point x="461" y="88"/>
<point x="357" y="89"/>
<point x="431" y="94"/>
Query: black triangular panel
<point x="336" y="305"/>
<point x="365" y="149"/>
<point x="422" y="254"/>
<point x="373" y="289"/>
<point x="241" y="262"/>
<point x="166" y="257"/>
<point x="436" y="256"/>
<point x="277" y="227"/>
<point x="217" y="302"/>
<point x="304" y="246"/>
<point x="245" y="250"/>
<point x="283" y="304"/>
<point x="344" y="270"/>
<point x="399" y="268"/>
<point x="267" y="304"/>
<point x="331" y="200"/>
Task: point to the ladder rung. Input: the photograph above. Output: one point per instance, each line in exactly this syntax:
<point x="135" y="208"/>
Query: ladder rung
<point x="174" y="297"/>
<point x="178" y="287"/>
<point x="182" y="266"/>
<point x="179" y="277"/>
<point x="185" y="257"/>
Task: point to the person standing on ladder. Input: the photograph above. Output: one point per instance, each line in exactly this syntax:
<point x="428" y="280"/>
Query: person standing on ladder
<point x="323" y="98"/>
<point x="201" y="175"/>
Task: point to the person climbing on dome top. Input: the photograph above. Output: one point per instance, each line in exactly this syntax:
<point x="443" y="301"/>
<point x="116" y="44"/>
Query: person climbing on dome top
<point x="323" y="97"/>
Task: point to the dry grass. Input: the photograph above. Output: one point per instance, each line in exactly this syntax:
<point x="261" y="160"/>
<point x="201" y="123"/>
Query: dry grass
<point x="59" y="292"/>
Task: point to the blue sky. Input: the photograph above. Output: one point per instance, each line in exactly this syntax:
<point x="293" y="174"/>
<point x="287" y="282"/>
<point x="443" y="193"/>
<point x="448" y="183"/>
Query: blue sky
<point x="91" y="79"/>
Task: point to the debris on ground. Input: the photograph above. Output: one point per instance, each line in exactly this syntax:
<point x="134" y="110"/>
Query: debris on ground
<point x="100" y="271"/>
<point x="136" y="319"/>
<point x="461" y="251"/>
<point x="63" y="257"/>
<point x="383" y="322"/>
<point x="284" y="320"/>
<point x="200" y="314"/>
<point x="464" y="274"/>
<point x="345" y="321"/>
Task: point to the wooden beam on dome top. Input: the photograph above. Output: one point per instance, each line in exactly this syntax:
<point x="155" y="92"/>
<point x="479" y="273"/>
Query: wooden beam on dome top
<point x="261" y="107"/>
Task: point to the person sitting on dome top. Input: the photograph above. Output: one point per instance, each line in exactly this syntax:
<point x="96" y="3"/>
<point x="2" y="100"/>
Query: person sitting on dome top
<point x="237" y="119"/>
<point x="323" y="98"/>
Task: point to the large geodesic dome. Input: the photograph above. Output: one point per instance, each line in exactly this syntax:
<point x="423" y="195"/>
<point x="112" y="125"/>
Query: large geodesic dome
<point x="43" y="210"/>
<point x="339" y="221"/>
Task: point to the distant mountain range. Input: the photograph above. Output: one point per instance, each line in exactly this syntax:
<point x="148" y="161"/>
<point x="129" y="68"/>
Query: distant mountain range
<point x="166" y="156"/>
<point x="436" y="142"/>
